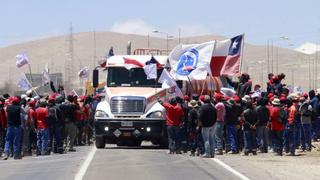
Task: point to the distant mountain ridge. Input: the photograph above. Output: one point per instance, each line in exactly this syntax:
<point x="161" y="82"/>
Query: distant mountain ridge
<point x="54" y="51"/>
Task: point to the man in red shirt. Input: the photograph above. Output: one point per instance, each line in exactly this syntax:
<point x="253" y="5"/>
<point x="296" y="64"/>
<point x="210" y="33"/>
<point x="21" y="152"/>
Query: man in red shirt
<point x="41" y="115"/>
<point x="174" y="117"/>
<point x="289" y="134"/>
<point x="277" y="127"/>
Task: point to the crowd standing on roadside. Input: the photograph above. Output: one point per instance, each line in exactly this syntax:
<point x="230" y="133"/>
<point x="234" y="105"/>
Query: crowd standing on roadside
<point x="250" y="121"/>
<point x="42" y="125"/>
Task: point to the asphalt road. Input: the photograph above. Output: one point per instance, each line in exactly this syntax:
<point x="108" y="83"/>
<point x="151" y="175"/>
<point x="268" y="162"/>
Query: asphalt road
<point x="113" y="163"/>
<point x="148" y="163"/>
<point x="53" y="167"/>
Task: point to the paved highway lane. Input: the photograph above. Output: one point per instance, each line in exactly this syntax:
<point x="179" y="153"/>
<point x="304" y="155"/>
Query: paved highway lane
<point x="53" y="167"/>
<point x="147" y="163"/>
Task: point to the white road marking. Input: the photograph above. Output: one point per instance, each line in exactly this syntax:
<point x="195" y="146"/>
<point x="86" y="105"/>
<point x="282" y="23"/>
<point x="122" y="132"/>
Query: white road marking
<point x="86" y="164"/>
<point x="227" y="167"/>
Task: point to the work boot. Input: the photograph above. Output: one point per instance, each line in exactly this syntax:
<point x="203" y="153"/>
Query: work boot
<point x="72" y="150"/>
<point x="246" y="153"/>
<point x="219" y="152"/>
<point x="17" y="157"/>
<point x="205" y="156"/>
<point x="5" y="157"/>
<point x="291" y="154"/>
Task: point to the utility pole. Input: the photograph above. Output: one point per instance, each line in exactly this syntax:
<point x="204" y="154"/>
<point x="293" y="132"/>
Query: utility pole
<point x="69" y="60"/>
<point x="277" y="60"/>
<point x="148" y="40"/>
<point x="272" y="56"/>
<point x="179" y="35"/>
<point x="94" y="49"/>
<point x="268" y="57"/>
<point x="316" y="67"/>
<point x="309" y="62"/>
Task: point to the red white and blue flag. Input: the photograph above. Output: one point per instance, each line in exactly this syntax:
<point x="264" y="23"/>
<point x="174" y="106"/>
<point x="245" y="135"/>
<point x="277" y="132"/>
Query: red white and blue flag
<point x="132" y="63"/>
<point x="151" y="68"/>
<point x="226" y="57"/>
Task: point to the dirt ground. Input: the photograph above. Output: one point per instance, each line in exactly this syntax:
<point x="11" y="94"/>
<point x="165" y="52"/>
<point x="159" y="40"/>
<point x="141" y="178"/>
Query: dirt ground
<point x="305" y="165"/>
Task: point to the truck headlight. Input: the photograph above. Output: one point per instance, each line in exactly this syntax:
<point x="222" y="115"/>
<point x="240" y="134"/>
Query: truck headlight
<point x="101" y="114"/>
<point x="156" y="114"/>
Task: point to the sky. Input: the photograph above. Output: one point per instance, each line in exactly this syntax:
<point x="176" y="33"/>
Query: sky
<point x="260" y="20"/>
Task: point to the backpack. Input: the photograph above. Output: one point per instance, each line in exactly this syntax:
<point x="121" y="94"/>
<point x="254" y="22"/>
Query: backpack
<point x="316" y="111"/>
<point x="52" y="116"/>
<point x="305" y="111"/>
<point x="283" y="116"/>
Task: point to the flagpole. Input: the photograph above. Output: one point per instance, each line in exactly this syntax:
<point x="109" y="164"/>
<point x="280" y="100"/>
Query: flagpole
<point x="202" y="89"/>
<point x="34" y="90"/>
<point x="31" y="79"/>
<point x="241" y="56"/>
<point x="192" y="89"/>
<point x="210" y="74"/>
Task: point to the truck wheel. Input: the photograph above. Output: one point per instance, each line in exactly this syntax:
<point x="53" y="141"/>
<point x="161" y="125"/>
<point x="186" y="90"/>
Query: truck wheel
<point x="100" y="143"/>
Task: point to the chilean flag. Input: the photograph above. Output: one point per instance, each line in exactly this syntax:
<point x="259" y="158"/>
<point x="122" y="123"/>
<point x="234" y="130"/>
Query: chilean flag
<point x="154" y="61"/>
<point x="131" y="63"/>
<point x="226" y="57"/>
<point x="151" y="68"/>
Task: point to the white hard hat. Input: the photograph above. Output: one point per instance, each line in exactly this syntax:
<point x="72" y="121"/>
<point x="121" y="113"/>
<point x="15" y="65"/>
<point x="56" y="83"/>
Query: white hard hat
<point x="23" y="96"/>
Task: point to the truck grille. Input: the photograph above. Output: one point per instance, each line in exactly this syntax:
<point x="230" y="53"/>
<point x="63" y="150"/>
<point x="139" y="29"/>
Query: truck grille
<point x="123" y="105"/>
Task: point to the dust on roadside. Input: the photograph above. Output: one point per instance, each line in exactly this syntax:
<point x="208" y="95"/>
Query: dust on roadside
<point x="305" y="165"/>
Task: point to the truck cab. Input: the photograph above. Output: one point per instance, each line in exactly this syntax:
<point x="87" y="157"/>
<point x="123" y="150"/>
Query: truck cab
<point x="130" y="112"/>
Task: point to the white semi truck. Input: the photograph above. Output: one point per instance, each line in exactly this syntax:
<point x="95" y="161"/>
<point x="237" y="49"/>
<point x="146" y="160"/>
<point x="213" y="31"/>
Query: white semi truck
<point x="130" y="112"/>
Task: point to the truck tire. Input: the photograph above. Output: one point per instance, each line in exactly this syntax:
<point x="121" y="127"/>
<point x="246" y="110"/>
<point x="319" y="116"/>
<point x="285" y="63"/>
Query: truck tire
<point x="100" y="142"/>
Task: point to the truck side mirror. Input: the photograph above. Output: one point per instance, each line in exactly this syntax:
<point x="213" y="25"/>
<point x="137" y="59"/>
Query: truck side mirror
<point x="95" y="78"/>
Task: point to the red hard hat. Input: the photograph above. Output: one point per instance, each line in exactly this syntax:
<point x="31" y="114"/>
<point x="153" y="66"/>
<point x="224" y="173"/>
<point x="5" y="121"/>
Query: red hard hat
<point x="236" y="98"/>
<point x="51" y="99"/>
<point x="15" y="100"/>
<point x="186" y="98"/>
<point x="305" y="95"/>
<point x="202" y="98"/>
<point x="270" y="95"/>
<point x="32" y="103"/>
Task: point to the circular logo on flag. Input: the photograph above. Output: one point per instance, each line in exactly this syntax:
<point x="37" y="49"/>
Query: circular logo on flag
<point x="188" y="62"/>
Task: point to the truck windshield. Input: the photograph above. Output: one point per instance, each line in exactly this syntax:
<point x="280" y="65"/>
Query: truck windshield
<point x="135" y="77"/>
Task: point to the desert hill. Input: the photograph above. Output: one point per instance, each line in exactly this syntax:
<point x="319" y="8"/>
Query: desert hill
<point x="54" y="51"/>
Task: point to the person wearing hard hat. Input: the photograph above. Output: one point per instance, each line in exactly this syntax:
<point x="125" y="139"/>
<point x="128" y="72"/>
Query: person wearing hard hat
<point x="13" y="135"/>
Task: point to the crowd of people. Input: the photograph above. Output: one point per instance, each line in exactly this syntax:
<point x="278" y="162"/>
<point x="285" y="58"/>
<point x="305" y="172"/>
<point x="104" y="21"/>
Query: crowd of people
<point x="250" y="121"/>
<point x="42" y="125"/>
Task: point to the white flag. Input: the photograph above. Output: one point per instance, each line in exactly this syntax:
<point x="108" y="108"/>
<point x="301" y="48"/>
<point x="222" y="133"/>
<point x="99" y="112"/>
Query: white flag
<point x="228" y="92"/>
<point x="21" y="60"/>
<point x="84" y="72"/>
<point x="46" y="76"/>
<point x="74" y="93"/>
<point x="151" y="71"/>
<point x="169" y="83"/>
<point x="24" y="83"/>
<point x="166" y="80"/>
<point x="191" y="61"/>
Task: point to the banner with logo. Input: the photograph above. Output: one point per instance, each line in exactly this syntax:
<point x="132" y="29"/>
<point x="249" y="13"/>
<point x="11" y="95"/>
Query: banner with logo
<point x="191" y="61"/>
